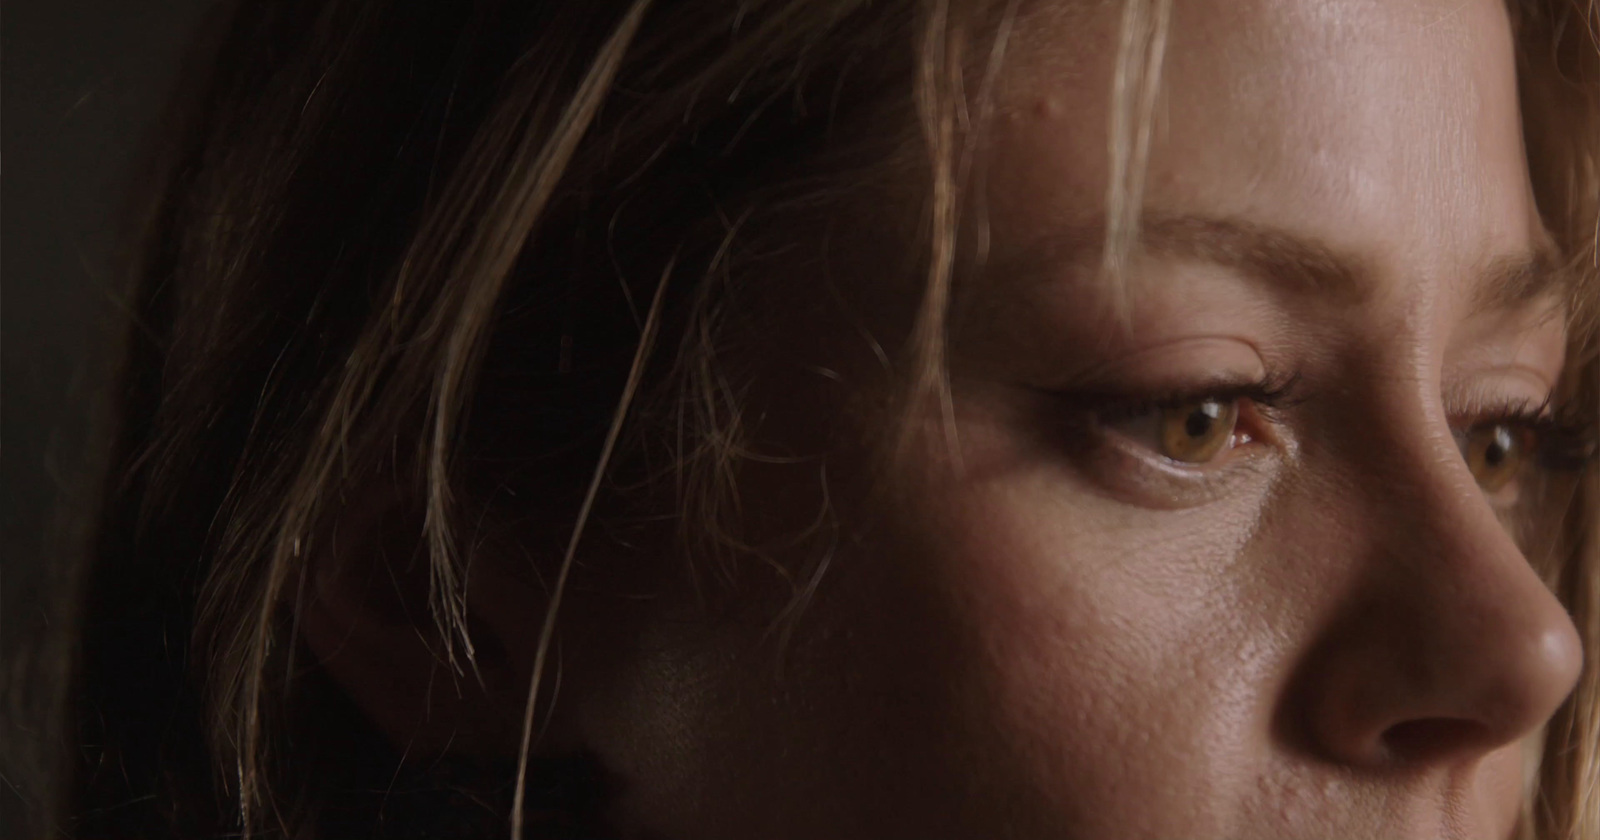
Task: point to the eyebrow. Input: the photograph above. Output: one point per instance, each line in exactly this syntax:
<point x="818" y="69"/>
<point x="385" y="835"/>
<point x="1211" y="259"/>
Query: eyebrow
<point x="1306" y="265"/>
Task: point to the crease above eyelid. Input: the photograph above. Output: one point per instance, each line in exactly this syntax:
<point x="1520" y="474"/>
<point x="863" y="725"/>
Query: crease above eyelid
<point x="1534" y="339"/>
<point x="1215" y="352"/>
<point x="1470" y="377"/>
<point x="1170" y="365"/>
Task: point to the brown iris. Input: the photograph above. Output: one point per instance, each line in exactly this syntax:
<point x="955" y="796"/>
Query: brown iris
<point x="1495" y="453"/>
<point x="1197" y="431"/>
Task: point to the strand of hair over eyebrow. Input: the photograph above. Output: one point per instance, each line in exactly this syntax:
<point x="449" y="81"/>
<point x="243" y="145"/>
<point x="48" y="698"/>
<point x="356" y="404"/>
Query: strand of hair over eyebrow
<point x="1136" y="85"/>
<point x="941" y="106"/>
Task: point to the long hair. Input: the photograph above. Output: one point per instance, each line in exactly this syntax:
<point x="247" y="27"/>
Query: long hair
<point x="464" y="247"/>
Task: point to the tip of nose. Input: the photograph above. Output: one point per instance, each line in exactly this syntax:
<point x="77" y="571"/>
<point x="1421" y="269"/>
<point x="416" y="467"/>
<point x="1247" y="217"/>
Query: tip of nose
<point x="1544" y="673"/>
<point x="1499" y="693"/>
<point x="1555" y="661"/>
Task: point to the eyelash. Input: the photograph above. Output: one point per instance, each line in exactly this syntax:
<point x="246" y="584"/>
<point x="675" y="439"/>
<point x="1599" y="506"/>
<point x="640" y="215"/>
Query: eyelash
<point x="1269" y="395"/>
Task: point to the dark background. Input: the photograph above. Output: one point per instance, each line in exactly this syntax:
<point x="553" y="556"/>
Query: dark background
<point x="83" y="81"/>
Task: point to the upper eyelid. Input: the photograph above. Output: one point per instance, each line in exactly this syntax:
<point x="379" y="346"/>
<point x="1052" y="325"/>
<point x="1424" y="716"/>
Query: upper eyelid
<point x="1268" y="397"/>
<point x="1270" y="389"/>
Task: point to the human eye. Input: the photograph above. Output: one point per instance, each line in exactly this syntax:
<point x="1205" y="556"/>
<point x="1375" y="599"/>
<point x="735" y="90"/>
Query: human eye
<point x="1172" y="446"/>
<point x="1506" y="446"/>
<point x="1193" y="428"/>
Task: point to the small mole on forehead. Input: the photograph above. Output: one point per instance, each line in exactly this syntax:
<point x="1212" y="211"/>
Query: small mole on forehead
<point x="1047" y="107"/>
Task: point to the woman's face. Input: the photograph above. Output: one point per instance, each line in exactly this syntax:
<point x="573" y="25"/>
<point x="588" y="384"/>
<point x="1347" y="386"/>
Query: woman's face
<point x="1216" y="564"/>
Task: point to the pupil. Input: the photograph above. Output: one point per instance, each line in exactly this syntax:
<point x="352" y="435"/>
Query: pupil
<point x="1495" y="453"/>
<point x="1198" y="422"/>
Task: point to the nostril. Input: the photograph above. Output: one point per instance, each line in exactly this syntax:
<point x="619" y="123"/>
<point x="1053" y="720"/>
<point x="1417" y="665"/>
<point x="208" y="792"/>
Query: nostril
<point x="1431" y="738"/>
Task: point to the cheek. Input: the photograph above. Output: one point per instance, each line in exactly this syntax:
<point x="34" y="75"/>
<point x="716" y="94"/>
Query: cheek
<point x="1115" y="654"/>
<point x="1501" y="784"/>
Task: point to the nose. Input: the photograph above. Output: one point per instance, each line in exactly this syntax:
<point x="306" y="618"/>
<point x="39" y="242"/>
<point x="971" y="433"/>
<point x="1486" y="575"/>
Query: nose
<point x="1450" y="645"/>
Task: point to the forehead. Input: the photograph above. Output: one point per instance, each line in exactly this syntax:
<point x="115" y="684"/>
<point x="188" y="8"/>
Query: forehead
<point x="1387" y="128"/>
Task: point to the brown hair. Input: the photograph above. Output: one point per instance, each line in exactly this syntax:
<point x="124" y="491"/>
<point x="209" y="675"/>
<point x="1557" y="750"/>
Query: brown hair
<point x="379" y="223"/>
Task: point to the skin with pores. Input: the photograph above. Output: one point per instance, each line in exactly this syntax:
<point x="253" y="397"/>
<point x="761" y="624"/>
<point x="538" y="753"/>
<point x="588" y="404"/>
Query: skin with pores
<point x="1050" y="630"/>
